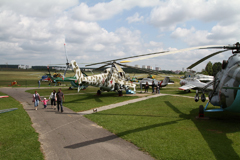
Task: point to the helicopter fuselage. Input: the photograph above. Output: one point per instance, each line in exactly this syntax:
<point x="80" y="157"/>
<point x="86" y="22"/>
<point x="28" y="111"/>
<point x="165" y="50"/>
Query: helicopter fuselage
<point x="225" y="92"/>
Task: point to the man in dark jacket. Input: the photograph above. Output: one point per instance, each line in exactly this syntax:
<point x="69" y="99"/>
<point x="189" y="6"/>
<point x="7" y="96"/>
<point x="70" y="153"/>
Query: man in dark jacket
<point x="153" y="85"/>
<point x="60" y="99"/>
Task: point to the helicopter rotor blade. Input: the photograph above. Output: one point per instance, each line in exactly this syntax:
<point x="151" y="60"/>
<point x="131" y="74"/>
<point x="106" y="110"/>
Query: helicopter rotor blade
<point x="101" y="67"/>
<point x="167" y="53"/>
<point x="125" y="58"/>
<point x="205" y="58"/>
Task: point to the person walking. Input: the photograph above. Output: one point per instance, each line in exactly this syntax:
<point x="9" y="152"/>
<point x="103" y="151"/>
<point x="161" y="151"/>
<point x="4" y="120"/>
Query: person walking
<point x="153" y="85"/>
<point x="146" y="87"/>
<point x="36" y="99"/>
<point x="45" y="103"/>
<point x="39" y="83"/>
<point x="158" y="88"/>
<point x="53" y="98"/>
<point x="60" y="99"/>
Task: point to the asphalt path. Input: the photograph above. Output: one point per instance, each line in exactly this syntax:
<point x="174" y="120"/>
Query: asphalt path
<point x="70" y="136"/>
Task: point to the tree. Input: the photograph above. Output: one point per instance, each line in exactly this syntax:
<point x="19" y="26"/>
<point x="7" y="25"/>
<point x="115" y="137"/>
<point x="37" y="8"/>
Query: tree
<point x="204" y="72"/>
<point x="208" y="68"/>
<point x="216" y="68"/>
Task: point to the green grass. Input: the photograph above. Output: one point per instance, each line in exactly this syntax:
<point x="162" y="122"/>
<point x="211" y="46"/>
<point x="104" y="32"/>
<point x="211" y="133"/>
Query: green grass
<point x="166" y="128"/>
<point x="18" y="140"/>
<point x="24" y="78"/>
<point x="86" y="100"/>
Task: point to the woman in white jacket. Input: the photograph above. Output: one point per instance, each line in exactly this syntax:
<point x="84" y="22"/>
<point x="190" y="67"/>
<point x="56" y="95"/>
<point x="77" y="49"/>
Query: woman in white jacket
<point x="53" y="98"/>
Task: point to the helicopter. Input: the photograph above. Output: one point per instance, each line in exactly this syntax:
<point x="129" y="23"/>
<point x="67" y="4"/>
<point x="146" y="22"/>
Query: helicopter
<point x="225" y="91"/>
<point x="112" y="79"/>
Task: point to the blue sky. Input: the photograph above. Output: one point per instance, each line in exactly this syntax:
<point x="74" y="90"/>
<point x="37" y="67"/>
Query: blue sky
<point x="34" y="32"/>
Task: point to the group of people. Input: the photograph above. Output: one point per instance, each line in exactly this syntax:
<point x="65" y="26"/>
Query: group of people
<point x="153" y="87"/>
<point x="54" y="97"/>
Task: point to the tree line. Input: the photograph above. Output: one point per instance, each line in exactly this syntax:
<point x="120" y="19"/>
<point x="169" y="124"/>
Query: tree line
<point x="212" y="69"/>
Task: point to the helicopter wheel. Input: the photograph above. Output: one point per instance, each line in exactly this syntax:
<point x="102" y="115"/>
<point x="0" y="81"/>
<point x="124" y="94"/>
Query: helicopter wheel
<point x="99" y="92"/>
<point x="201" y="111"/>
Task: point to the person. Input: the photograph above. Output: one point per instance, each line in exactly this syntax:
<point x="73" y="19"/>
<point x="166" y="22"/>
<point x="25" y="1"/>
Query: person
<point x="39" y="83"/>
<point x="153" y="85"/>
<point x="141" y="86"/>
<point x="60" y="99"/>
<point x="36" y="99"/>
<point x="45" y="103"/>
<point x="158" y="88"/>
<point x="53" y="98"/>
<point x="146" y="87"/>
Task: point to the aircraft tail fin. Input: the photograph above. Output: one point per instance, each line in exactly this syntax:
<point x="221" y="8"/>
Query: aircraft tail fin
<point x="166" y="80"/>
<point x="77" y="71"/>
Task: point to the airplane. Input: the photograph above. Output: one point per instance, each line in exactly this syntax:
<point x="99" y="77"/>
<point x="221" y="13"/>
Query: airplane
<point x="226" y="84"/>
<point x="192" y="83"/>
<point x="162" y="83"/>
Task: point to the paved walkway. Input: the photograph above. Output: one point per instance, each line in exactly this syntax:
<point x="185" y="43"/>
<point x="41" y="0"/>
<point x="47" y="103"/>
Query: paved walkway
<point x="70" y="136"/>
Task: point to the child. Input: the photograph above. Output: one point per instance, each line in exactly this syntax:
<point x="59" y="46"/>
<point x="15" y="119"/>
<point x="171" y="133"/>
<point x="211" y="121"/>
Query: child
<point x="45" y="103"/>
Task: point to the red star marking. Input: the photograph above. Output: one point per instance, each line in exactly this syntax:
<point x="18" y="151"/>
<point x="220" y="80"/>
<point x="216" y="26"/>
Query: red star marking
<point x="62" y="78"/>
<point x="111" y="82"/>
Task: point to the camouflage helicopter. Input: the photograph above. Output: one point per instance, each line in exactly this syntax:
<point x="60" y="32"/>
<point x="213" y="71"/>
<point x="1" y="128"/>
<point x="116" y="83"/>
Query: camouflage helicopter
<point x="112" y="79"/>
<point x="226" y="84"/>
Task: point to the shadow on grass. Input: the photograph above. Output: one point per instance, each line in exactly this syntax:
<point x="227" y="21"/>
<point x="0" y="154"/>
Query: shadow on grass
<point x="111" y="137"/>
<point x="214" y="131"/>
<point x="88" y="97"/>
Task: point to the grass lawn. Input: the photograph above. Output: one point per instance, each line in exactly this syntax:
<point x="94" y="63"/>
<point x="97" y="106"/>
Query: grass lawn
<point x="24" y="78"/>
<point x="166" y="128"/>
<point x="86" y="100"/>
<point x="18" y="139"/>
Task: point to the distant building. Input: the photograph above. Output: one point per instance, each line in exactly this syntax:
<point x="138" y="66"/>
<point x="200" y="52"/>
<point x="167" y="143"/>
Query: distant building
<point x="22" y="66"/>
<point x="157" y="68"/>
<point x="8" y="66"/>
<point x="143" y="66"/>
<point x="149" y="67"/>
<point x="88" y="69"/>
<point x="137" y="66"/>
<point x="177" y="71"/>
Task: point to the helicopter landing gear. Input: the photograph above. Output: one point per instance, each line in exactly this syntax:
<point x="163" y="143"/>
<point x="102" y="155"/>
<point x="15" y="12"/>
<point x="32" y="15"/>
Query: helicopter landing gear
<point x="120" y="94"/>
<point x="201" y="113"/>
<point x="99" y="93"/>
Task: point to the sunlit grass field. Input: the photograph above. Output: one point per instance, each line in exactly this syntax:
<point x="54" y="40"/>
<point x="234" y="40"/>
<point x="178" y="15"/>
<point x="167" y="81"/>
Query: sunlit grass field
<point x="166" y="128"/>
<point x="18" y="140"/>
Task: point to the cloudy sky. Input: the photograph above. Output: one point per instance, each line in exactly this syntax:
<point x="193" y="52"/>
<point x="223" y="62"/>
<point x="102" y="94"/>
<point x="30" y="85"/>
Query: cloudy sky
<point x="34" y="32"/>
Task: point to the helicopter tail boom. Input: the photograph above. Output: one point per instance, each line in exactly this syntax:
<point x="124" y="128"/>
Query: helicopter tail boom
<point x="77" y="71"/>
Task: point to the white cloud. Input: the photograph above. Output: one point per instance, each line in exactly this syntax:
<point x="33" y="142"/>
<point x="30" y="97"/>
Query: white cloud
<point x="41" y="9"/>
<point x="135" y="18"/>
<point x="168" y="14"/>
<point x="103" y="11"/>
